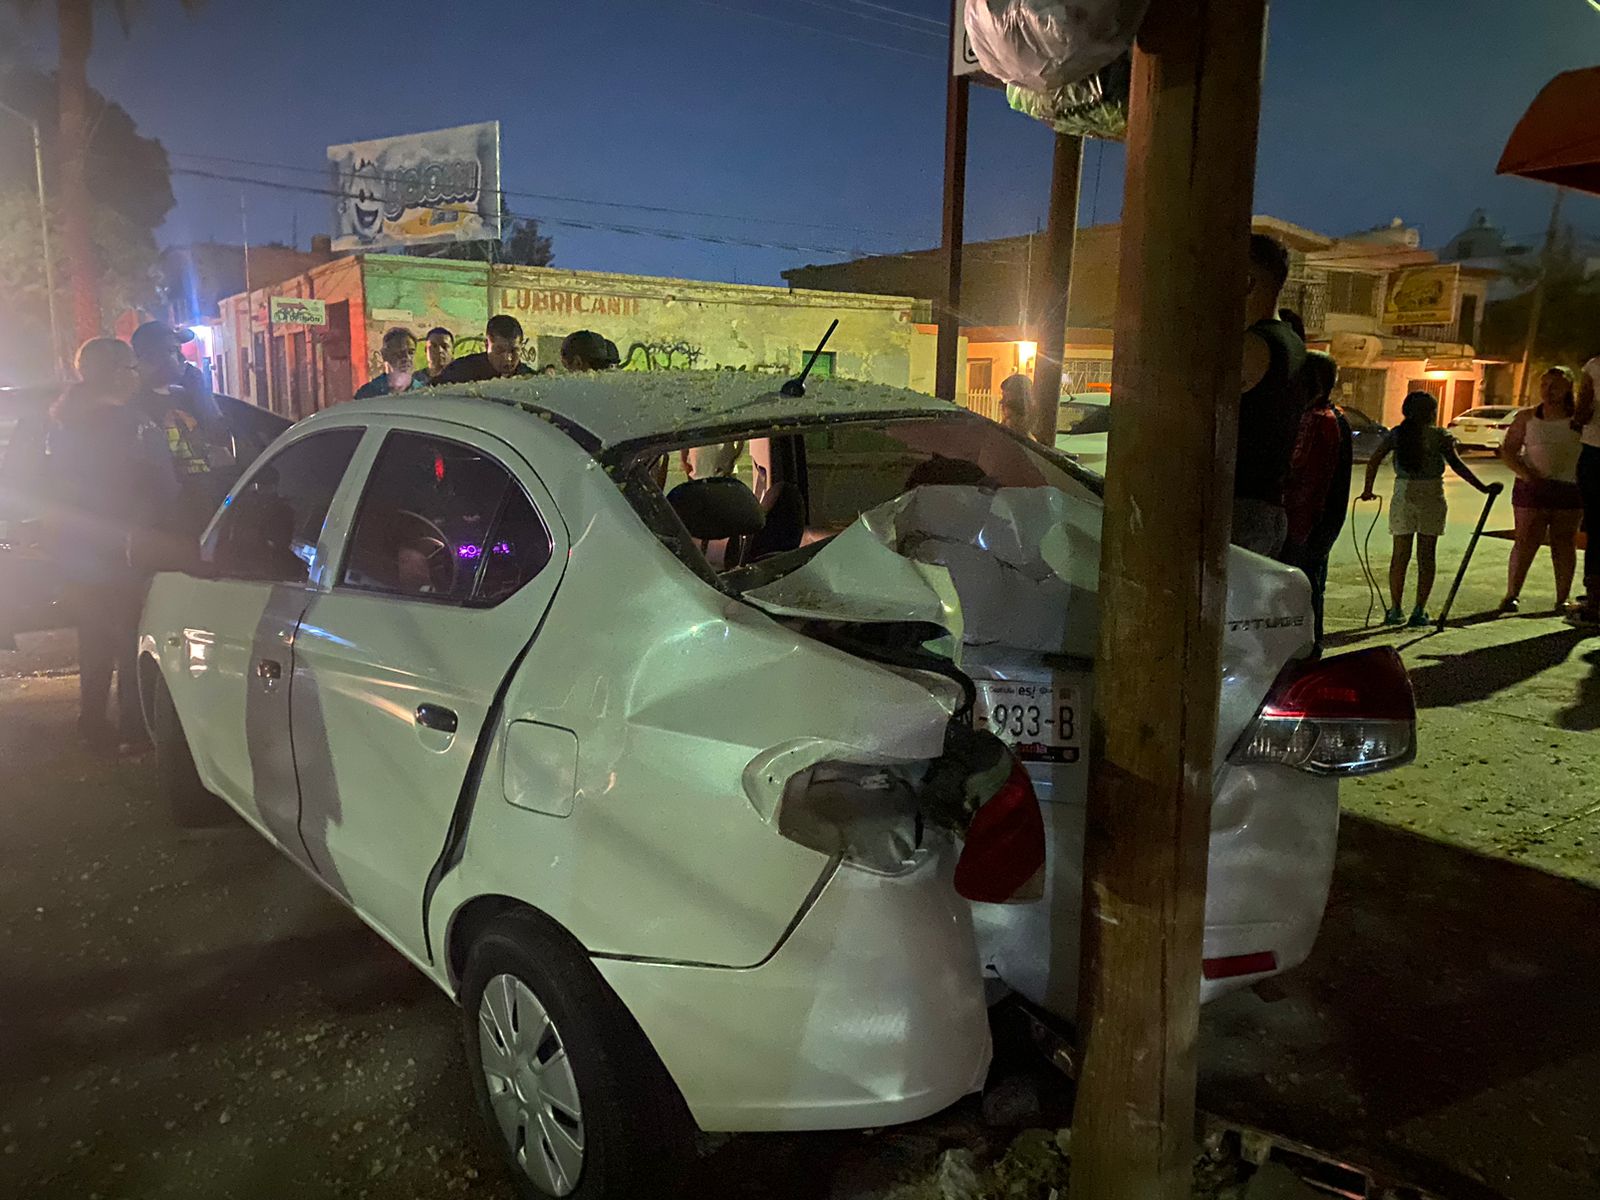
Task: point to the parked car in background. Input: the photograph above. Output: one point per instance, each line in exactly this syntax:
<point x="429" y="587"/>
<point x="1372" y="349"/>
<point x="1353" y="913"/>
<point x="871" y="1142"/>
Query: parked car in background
<point x="30" y="595"/>
<point x="1082" y="422"/>
<point x="673" y="792"/>
<point x="1483" y="428"/>
<point x="1366" y="434"/>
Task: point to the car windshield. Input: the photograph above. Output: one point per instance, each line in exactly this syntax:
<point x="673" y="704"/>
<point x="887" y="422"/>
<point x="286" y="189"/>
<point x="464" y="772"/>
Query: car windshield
<point x="813" y="483"/>
<point x="1358" y="419"/>
<point x="1076" y="417"/>
<point x="1486" y="414"/>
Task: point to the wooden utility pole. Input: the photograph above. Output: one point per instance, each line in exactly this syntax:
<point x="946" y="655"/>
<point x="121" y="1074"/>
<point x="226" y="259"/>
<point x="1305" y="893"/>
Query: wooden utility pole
<point x="1195" y="106"/>
<point x="1536" y="309"/>
<point x="1047" y="305"/>
<point x="957" y="90"/>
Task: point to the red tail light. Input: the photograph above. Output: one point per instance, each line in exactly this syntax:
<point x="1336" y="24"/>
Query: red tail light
<point x="1348" y="715"/>
<point x="1004" y="844"/>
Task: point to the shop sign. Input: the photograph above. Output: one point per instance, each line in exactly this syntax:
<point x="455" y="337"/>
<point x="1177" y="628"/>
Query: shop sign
<point x="563" y="302"/>
<point x="291" y="310"/>
<point x="441" y="186"/>
<point x="1423" y="296"/>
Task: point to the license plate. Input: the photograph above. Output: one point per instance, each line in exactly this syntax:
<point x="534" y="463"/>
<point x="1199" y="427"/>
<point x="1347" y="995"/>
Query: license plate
<point x="1042" y="722"/>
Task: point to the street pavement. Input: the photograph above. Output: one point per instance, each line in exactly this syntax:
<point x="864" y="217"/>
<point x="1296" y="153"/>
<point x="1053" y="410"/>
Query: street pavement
<point x="195" y="1018"/>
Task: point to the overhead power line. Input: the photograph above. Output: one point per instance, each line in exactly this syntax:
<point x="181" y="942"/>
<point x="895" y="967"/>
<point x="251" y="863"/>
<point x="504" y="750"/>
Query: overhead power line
<point x="820" y="31"/>
<point x="662" y="210"/>
<point x="542" y="219"/>
<point x="937" y="30"/>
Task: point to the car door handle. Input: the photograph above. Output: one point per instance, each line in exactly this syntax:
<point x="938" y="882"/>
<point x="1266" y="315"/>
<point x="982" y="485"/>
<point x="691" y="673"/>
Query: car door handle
<point x="437" y="717"/>
<point x="269" y="670"/>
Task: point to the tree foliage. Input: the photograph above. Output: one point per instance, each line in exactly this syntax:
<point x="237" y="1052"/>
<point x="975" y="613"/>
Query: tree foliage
<point x="1569" y="323"/>
<point x="523" y="244"/>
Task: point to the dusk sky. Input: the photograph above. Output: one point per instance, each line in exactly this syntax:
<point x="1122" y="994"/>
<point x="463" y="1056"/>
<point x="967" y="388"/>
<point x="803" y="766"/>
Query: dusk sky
<point x="780" y="112"/>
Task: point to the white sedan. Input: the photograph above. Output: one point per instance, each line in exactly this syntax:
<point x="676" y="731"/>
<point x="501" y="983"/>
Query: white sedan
<point x="728" y="806"/>
<point x="1083" y="424"/>
<point x="1483" y="428"/>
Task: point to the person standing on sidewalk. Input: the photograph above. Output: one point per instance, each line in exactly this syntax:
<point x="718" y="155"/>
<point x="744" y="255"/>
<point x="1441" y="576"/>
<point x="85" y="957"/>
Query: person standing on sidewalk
<point x="399" y="367"/>
<point x="1587" y="421"/>
<point x="441" y="352"/>
<point x="1015" y="400"/>
<point x="1418" y="511"/>
<point x="1318" y="490"/>
<point x="1270" y="405"/>
<point x="113" y="493"/>
<point x="1541" y="448"/>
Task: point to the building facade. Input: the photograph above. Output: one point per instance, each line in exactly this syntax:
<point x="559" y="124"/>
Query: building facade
<point x="1346" y="289"/>
<point x="658" y="325"/>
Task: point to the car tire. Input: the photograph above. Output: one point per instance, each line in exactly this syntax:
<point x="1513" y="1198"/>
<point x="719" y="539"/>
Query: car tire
<point x="192" y="806"/>
<point x="578" y="1071"/>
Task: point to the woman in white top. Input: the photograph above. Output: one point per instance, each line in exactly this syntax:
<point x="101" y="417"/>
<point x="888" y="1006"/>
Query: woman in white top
<point x="1587" y="421"/>
<point x="1541" y="448"/>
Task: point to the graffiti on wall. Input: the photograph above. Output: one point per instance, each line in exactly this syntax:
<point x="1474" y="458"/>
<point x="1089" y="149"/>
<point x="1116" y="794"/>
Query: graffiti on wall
<point x="662" y="356"/>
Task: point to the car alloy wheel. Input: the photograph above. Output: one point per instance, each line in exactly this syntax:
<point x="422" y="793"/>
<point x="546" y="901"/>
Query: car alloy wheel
<point x="532" y="1089"/>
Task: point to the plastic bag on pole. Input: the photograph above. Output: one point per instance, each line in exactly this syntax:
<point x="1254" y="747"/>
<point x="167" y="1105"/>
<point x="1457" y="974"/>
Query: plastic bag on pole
<point x="1045" y="45"/>
<point x="1093" y="107"/>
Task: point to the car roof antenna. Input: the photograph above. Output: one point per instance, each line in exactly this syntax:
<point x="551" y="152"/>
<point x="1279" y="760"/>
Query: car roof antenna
<point x="796" y="387"/>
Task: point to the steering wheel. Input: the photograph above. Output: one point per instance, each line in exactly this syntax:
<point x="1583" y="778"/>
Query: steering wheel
<point x="437" y="555"/>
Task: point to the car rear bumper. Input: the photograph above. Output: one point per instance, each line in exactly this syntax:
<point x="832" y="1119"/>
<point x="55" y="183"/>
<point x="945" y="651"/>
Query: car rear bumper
<point x="1274" y="835"/>
<point x="870" y="1013"/>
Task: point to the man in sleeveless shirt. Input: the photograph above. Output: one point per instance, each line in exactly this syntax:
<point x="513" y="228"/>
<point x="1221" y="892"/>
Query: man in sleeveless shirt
<point x="1271" y="404"/>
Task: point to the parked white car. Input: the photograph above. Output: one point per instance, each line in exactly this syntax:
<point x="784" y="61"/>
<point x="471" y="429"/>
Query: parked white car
<point x="1483" y="428"/>
<point x="1083" y="420"/>
<point x="673" y="793"/>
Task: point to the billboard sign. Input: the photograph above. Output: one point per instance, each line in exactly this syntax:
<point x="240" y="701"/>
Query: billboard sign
<point x="1423" y="296"/>
<point x="442" y="186"/>
<point x="291" y="310"/>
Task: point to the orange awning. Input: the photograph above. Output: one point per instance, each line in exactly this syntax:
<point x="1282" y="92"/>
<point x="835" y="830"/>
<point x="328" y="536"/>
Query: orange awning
<point x="1558" y="138"/>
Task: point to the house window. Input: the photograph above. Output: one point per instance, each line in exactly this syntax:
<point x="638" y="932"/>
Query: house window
<point x="1353" y="293"/>
<point x="980" y="375"/>
<point x="823" y="367"/>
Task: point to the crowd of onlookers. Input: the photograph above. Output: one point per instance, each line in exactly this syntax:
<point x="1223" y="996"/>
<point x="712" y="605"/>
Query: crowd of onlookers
<point x="1294" y="463"/>
<point x="137" y="460"/>
<point x="501" y="358"/>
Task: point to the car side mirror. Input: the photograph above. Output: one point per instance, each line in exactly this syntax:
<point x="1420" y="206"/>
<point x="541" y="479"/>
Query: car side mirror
<point x="715" y="508"/>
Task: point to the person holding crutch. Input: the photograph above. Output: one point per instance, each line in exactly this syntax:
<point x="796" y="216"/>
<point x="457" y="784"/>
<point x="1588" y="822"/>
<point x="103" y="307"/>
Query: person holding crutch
<point x="1418" y="511"/>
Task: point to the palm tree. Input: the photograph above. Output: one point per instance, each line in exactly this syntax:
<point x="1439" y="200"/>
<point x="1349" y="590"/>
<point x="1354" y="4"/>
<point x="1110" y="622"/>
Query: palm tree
<point x="75" y="33"/>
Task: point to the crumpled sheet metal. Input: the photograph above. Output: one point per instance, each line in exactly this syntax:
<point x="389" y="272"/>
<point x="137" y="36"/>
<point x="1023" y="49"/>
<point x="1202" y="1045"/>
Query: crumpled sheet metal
<point x="1014" y="567"/>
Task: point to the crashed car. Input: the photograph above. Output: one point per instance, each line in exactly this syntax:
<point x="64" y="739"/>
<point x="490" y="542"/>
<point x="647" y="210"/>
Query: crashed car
<point x="729" y="803"/>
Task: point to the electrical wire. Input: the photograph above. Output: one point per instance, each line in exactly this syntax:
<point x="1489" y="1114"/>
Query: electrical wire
<point x="558" y="222"/>
<point x="663" y="210"/>
<point x="819" y="31"/>
<point x="862" y="12"/>
<point x="1364" y="558"/>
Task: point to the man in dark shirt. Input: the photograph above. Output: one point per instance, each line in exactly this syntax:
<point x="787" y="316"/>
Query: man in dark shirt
<point x="1271" y="403"/>
<point x="502" y="360"/>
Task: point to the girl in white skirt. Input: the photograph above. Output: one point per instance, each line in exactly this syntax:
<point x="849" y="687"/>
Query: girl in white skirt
<point x="1418" y="511"/>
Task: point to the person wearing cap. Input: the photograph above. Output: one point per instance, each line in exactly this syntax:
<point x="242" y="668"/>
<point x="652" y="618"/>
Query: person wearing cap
<point x="441" y="344"/>
<point x="113" y="500"/>
<point x="172" y="394"/>
<point x="586" y="350"/>
<point x="399" y="367"/>
<point x="502" y="360"/>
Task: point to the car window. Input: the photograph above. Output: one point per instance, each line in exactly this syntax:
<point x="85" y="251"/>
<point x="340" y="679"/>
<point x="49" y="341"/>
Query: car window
<point x="443" y="521"/>
<point x="270" y="527"/>
<point x="1085" y="418"/>
<point x="850" y="469"/>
